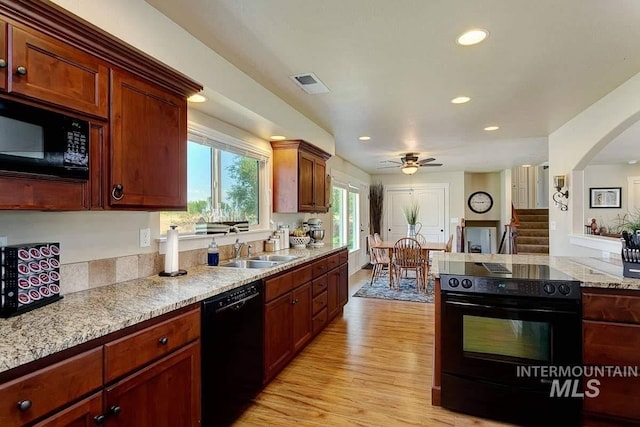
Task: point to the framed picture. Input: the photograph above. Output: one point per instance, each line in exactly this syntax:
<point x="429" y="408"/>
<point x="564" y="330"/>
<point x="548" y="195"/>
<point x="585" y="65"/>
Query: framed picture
<point x="605" y="197"/>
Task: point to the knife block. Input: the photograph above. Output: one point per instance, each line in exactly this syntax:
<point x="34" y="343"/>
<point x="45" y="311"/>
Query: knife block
<point x="630" y="269"/>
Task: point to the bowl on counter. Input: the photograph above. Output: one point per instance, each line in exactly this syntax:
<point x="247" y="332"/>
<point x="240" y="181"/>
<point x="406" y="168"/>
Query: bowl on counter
<point x="299" y="242"/>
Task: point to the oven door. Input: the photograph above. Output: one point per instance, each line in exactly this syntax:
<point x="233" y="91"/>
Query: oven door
<point x="488" y="336"/>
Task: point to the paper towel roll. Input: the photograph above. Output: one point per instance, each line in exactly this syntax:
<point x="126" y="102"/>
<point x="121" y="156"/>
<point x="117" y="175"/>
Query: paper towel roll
<point x="171" y="257"/>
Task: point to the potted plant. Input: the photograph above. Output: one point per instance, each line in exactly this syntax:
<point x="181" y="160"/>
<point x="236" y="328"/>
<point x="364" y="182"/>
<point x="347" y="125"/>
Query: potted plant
<point x="411" y="215"/>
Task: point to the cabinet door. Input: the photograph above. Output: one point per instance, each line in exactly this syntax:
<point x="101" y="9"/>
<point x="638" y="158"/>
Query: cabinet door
<point x="86" y="413"/>
<point x="3" y="55"/>
<point x="343" y="285"/>
<point x="319" y="182"/>
<point x="333" y="292"/>
<point x="149" y="146"/>
<point x="306" y="198"/>
<point x="49" y="70"/>
<point x="164" y="394"/>
<point x="302" y="313"/>
<point x="277" y="334"/>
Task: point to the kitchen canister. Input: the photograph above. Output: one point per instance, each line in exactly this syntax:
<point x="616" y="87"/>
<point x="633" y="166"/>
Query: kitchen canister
<point x="171" y="255"/>
<point x="285" y="239"/>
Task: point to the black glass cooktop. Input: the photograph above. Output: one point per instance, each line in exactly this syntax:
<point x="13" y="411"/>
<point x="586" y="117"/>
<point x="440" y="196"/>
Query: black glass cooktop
<point x="502" y="270"/>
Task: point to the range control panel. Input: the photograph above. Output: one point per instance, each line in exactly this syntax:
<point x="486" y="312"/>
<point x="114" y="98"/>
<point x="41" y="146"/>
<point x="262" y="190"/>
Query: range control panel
<point x="512" y="287"/>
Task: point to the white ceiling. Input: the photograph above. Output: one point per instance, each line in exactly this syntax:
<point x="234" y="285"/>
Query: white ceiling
<point x="393" y="67"/>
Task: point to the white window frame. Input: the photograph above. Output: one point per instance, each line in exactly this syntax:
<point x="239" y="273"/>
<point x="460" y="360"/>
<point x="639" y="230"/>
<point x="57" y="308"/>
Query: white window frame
<point x="344" y="219"/>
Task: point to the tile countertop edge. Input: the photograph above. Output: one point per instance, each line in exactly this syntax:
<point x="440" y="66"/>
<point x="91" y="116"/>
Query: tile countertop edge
<point x="591" y="272"/>
<point x="83" y="316"/>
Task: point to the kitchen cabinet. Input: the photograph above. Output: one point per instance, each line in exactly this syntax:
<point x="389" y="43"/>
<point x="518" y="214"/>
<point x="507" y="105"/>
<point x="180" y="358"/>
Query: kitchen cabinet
<point x="287" y="320"/>
<point x="166" y="393"/>
<point x="50" y="71"/>
<point x="50" y="59"/>
<point x="148" y="145"/>
<point x="611" y="337"/>
<point x="298" y="165"/>
<point x="298" y="307"/>
<point x="148" y="374"/>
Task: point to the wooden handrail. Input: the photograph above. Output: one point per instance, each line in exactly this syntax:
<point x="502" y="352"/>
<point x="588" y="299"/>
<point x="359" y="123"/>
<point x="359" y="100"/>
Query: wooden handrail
<point x="515" y="219"/>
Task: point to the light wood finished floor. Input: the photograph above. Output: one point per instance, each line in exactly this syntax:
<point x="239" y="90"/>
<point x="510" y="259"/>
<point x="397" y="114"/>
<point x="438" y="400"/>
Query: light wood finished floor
<point x="369" y="367"/>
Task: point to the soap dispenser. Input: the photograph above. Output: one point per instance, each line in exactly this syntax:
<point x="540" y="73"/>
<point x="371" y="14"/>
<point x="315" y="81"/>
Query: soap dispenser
<point x="213" y="255"/>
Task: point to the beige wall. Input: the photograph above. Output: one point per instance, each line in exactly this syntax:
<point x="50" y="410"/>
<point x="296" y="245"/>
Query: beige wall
<point x="607" y="176"/>
<point x="572" y="147"/>
<point x="489" y="182"/>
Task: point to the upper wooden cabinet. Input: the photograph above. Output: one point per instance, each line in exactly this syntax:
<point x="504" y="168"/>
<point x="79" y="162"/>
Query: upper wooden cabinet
<point x="298" y="165"/>
<point x="135" y="104"/>
<point x="47" y="70"/>
<point x="148" y="145"/>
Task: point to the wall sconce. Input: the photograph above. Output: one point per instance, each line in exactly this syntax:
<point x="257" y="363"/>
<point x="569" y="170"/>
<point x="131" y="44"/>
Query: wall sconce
<point x="559" y="182"/>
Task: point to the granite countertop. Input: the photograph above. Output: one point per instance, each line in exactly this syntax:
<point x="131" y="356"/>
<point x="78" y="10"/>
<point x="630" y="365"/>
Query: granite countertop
<point x="82" y="316"/>
<point x="591" y="272"/>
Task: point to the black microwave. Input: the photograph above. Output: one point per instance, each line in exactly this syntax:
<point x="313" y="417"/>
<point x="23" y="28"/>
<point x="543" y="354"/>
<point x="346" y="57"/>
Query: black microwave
<point x="38" y="141"/>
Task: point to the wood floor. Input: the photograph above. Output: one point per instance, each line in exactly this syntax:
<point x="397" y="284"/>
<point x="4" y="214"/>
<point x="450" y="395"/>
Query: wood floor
<point x="369" y="367"/>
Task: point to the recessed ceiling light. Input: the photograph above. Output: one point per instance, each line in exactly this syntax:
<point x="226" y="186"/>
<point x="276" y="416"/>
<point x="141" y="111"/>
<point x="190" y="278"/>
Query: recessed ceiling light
<point x="460" y="100"/>
<point x="471" y="37"/>
<point x="526" y="166"/>
<point x="364" y="138"/>
<point x="632" y="162"/>
<point x="278" y="138"/>
<point x="196" y="98"/>
<point x="491" y="128"/>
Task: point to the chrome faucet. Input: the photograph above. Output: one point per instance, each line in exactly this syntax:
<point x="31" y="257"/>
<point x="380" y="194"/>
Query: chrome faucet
<point x="249" y="250"/>
<point x="237" y="247"/>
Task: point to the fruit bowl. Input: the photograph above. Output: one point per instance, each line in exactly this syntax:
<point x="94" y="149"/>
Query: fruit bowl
<point x="299" y="242"/>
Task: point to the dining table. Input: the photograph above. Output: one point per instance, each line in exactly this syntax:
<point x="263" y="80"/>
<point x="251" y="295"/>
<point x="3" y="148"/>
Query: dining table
<point x="425" y="246"/>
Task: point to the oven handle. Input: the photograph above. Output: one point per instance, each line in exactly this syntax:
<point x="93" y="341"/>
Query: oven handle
<point x="510" y="309"/>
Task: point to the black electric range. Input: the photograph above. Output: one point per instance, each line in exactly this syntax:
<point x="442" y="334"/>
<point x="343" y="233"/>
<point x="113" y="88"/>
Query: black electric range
<point x="535" y="280"/>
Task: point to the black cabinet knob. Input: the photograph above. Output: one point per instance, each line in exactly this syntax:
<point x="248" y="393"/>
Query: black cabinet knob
<point x="99" y="419"/>
<point x="164" y="340"/>
<point x="21" y="70"/>
<point x="24" y="405"/>
<point x="114" y="410"/>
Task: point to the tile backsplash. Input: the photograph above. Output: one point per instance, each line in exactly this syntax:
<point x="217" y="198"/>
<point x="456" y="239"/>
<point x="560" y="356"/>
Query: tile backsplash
<point x="80" y="276"/>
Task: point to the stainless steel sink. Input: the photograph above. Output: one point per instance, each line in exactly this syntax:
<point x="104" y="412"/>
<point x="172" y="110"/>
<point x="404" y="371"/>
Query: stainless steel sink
<point x="250" y="263"/>
<point x="279" y="258"/>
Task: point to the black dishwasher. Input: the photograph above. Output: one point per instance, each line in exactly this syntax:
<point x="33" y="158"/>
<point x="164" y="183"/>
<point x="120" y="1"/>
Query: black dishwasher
<point x="232" y="353"/>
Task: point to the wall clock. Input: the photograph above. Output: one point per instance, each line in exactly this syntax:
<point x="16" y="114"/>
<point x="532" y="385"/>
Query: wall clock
<point x="480" y="202"/>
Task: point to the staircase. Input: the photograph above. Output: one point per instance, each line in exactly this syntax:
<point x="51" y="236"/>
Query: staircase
<point x="533" y="232"/>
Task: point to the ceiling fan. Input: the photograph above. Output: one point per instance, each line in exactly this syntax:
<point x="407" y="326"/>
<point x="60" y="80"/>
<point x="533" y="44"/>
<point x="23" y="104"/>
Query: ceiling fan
<point x="410" y="163"/>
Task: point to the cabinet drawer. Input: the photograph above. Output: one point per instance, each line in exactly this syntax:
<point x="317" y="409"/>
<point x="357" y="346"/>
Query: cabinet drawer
<point x="50" y="387"/>
<point x="319" y="267"/>
<point x="611" y="343"/>
<point x="344" y="257"/>
<point x="319" y="285"/>
<point x="611" y="307"/>
<point x="319" y="302"/>
<point x="333" y="261"/>
<point x="319" y="321"/>
<point x="128" y="353"/>
<point x="302" y="275"/>
<point x="277" y="286"/>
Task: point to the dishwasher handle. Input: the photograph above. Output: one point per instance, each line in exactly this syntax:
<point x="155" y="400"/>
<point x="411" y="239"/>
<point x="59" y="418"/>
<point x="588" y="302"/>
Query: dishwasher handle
<point x="238" y="304"/>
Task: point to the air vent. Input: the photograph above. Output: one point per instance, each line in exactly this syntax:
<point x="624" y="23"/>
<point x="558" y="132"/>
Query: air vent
<point x="310" y="83"/>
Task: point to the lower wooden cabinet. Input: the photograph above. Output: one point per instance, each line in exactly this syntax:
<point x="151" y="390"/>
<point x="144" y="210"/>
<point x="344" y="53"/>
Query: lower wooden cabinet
<point x="161" y="389"/>
<point x="611" y="337"/>
<point x="164" y="394"/>
<point x="87" y="412"/>
<point x="295" y="311"/>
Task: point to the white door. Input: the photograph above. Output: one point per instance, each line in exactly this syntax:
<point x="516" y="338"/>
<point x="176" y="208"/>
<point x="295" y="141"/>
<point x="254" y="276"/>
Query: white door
<point x="633" y="198"/>
<point x="432" y="212"/>
<point x="520" y="187"/>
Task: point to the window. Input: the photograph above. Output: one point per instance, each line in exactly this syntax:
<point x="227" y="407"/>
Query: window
<point x="346" y="216"/>
<point x="223" y="184"/>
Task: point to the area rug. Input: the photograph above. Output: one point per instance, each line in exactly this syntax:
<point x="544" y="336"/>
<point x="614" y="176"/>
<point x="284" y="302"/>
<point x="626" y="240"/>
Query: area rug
<point x="380" y="289"/>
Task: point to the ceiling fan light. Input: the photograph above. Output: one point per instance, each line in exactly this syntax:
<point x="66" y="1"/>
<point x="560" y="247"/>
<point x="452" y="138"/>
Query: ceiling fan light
<point x="409" y="169"/>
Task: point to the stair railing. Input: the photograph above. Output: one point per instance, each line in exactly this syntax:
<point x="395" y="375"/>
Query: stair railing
<point x="511" y="233"/>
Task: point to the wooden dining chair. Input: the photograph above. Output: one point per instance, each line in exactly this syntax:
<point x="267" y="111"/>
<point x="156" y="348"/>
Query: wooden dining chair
<point x="449" y="244"/>
<point x="379" y="260"/>
<point x="407" y="255"/>
<point x="377" y="238"/>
